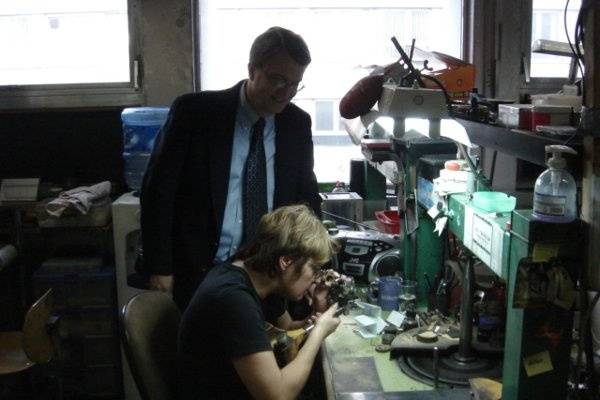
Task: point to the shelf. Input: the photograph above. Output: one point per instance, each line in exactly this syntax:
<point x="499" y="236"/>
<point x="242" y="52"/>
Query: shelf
<point x="523" y="145"/>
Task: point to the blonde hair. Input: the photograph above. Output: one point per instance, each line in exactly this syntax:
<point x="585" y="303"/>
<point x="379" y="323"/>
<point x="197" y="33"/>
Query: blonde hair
<point x="294" y="232"/>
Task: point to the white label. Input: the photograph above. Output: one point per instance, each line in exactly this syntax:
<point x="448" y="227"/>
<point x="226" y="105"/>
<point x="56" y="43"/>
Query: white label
<point x="549" y="205"/>
<point x="496" y="261"/>
<point x="467" y="237"/>
<point x="482" y="239"/>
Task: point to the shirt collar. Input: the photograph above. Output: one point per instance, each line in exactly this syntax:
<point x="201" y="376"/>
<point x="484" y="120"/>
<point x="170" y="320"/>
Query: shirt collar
<point x="247" y="113"/>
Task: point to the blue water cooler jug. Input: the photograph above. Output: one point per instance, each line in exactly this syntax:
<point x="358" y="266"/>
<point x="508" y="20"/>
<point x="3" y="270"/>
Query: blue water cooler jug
<point x="140" y="126"/>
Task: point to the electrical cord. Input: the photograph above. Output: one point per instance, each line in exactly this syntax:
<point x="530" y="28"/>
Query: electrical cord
<point x="437" y="82"/>
<point x="493" y="166"/>
<point x="348" y="220"/>
<point x="584" y="328"/>
<point x="579" y="39"/>
<point x="417" y="75"/>
<point x="593" y="304"/>
<point x="580" y="29"/>
<point x="571" y="137"/>
<point x="577" y="59"/>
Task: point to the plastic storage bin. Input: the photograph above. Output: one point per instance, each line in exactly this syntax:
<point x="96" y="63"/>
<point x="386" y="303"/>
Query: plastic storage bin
<point x="388" y="221"/>
<point x="140" y="127"/>
<point x="77" y="282"/>
<point x="85" y="298"/>
<point x="93" y="320"/>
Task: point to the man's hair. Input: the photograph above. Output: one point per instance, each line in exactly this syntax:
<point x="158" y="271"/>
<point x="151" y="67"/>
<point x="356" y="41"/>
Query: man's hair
<point x="274" y="40"/>
<point x="294" y="232"/>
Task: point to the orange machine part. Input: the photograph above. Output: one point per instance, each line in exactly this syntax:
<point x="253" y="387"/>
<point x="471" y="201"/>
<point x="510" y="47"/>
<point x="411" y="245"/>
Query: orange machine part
<point x="458" y="77"/>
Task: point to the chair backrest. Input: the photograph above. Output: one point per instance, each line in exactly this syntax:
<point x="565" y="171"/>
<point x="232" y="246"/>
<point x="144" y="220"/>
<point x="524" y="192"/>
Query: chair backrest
<point x="149" y="326"/>
<point x="37" y="342"/>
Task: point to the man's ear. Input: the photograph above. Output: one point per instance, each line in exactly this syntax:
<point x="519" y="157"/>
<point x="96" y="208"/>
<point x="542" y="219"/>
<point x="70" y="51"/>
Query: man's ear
<point x="251" y="71"/>
<point x="284" y="263"/>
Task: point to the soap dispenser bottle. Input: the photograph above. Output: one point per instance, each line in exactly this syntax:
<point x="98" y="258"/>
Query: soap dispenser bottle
<point x="554" y="198"/>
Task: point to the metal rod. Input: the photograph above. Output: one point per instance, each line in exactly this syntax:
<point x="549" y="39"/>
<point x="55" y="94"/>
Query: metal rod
<point x="436" y="367"/>
<point x="465" y="352"/>
<point x="477" y="173"/>
<point x="407" y="61"/>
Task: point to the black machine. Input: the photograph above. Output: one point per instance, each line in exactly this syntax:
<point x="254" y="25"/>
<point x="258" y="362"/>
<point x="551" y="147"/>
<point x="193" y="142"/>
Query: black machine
<point x="366" y="255"/>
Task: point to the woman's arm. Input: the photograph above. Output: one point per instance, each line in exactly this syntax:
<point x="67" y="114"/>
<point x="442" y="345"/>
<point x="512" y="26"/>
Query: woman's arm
<point x="286" y="322"/>
<point x="263" y="378"/>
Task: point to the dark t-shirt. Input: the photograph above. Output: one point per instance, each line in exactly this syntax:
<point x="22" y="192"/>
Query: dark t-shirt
<point x="225" y="320"/>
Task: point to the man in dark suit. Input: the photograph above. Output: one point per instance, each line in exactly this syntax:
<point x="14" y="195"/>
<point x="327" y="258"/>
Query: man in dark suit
<point x="194" y="195"/>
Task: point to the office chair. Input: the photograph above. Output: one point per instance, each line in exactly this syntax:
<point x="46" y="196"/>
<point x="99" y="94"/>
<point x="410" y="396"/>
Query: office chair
<point x="149" y="325"/>
<point x="36" y="344"/>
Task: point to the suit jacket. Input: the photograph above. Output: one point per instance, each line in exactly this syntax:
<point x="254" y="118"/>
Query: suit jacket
<point x="185" y="186"/>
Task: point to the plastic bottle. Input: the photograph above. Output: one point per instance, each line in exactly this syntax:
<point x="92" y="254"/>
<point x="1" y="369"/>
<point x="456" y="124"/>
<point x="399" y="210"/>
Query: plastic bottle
<point x="555" y="191"/>
<point x="140" y="126"/>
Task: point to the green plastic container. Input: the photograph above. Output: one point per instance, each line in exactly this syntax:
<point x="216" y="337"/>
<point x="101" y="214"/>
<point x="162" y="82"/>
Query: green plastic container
<point x="494" y="202"/>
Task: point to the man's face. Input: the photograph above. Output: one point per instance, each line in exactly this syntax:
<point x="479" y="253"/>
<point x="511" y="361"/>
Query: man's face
<point x="295" y="286"/>
<point x="272" y="86"/>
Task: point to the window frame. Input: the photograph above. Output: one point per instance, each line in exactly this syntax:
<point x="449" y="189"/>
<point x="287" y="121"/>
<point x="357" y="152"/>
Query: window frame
<point x="535" y="84"/>
<point x="86" y="95"/>
<point x="526" y="83"/>
<point x="501" y="67"/>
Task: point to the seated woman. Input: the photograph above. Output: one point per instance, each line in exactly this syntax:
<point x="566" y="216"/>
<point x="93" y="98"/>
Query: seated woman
<point x="223" y="349"/>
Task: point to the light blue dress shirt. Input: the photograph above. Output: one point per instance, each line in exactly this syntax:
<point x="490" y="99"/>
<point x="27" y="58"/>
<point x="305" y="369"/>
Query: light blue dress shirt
<point x="231" y="232"/>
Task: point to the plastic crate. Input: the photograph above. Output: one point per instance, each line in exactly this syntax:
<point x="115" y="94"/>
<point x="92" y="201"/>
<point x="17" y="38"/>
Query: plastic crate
<point x="102" y="381"/>
<point x="78" y="282"/>
<point x="388" y="221"/>
<point x="101" y="350"/>
<point x="86" y="321"/>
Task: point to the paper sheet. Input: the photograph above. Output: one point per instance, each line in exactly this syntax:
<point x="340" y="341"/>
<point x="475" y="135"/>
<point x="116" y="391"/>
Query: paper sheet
<point x="395" y="318"/>
<point x="369" y="327"/>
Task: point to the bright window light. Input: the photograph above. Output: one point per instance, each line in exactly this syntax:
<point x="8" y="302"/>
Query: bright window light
<point x="63" y="42"/>
<point x="547" y="22"/>
<point x="346" y="39"/>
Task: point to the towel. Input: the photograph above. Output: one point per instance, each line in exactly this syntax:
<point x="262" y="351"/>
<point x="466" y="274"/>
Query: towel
<point x="79" y="199"/>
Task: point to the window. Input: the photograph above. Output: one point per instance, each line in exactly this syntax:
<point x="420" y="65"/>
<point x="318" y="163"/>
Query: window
<point x="547" y="22"/>
<point x="57" y="42"/>
<point x="324" y="115"/>
<point x="345" y="39"/>
<point x="64" y="48"/>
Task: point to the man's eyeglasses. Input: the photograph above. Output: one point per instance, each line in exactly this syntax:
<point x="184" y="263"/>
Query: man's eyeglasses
<point x="281" y="82"/>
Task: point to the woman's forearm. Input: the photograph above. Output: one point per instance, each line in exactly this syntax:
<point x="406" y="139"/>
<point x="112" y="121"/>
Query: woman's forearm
<point x="295" y="374"/>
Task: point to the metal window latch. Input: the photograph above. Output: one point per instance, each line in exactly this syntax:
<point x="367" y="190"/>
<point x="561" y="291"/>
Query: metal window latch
<point x="136" y="74"/>
<point x="525" y="68"/>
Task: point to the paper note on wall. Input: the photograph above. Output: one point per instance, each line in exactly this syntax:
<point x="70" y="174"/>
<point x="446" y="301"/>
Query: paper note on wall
<point x="537" y="364"/>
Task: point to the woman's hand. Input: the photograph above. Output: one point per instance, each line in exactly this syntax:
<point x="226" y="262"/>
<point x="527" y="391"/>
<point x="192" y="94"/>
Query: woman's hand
<point x="327" y="322"/>
<point x="320" y="297"/>
<point x="313" y="318"/>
